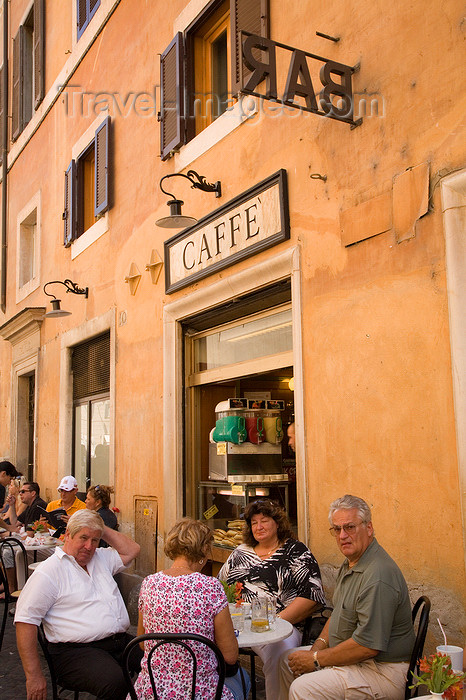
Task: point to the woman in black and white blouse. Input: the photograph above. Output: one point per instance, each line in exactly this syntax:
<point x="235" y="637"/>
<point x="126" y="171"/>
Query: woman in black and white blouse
<point x="270" y="562"/>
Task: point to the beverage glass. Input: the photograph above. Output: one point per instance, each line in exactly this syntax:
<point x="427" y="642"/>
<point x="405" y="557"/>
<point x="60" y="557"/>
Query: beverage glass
<point x="455" y="654"/>
<point x="260" y="615"/>
<point x="237" y="616"/>
<point x="272" y="611"/>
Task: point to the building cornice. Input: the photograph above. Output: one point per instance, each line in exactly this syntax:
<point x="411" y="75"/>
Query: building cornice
<point x="23" y="324"/>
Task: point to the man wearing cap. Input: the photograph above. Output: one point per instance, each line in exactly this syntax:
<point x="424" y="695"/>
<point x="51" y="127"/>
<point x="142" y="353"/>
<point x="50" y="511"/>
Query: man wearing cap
<point x="73" y="594"/>
<point x="67" y="489"/>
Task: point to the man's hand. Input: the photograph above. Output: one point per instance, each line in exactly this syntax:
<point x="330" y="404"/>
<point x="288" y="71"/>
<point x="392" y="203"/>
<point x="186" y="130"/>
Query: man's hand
<point x="301" y="662"/>
<point x="36" y="687"/>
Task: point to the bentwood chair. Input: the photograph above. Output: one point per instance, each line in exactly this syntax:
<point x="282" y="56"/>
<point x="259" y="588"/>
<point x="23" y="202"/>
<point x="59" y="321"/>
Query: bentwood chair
<point x="422" y="608"/>
<point x="55" y="682"/>
<point x="8" y="549"/>
<point x="180" y="640"/>
<point x="4" y="585"/>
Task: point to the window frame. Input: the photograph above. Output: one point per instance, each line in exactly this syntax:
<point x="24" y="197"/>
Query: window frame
<point x="28" y="83"/>
<point x="176" y="117"/>
<point x="73" y="214"/>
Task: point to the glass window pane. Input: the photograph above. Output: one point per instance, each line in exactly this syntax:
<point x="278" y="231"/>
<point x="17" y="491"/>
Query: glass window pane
<point x="81" y="414"/>
<point x="100" y="441"/>
<point x="260" y="337"/>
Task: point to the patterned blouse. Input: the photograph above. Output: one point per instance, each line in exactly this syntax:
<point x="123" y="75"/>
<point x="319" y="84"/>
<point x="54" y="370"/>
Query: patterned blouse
<point x="290" y="572"/>
<point x="180" y="604"/>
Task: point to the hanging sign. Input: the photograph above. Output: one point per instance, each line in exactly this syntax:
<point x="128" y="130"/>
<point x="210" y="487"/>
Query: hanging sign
<point x="248" y="224"/>
<point x="329" y="94"/>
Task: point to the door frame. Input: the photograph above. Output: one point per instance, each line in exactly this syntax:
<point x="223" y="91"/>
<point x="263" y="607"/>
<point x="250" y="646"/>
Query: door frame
<point x="284" y="265"/>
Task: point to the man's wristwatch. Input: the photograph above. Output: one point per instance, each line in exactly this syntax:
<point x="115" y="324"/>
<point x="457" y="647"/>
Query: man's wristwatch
<point x="316" y="662"/>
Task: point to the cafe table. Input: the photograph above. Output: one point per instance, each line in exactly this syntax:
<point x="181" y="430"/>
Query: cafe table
<point x="46" y="550"/>
<point x="281" y="630"/>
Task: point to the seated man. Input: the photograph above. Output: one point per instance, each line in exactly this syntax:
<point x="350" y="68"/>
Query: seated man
<point x="8" y="472"/>
<point x="74" y="595"/>
<point x="29" y="495"/>
<point x="365" y="647"/>
<point x="67" y="489"/>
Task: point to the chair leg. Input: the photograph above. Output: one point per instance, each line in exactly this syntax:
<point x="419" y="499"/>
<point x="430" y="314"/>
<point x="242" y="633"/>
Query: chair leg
<point x="253" y="677"/>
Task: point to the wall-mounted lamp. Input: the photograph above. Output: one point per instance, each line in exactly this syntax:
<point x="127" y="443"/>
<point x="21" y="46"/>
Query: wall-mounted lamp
<point x="176" y="218"/>
<point x="70" y="287"/>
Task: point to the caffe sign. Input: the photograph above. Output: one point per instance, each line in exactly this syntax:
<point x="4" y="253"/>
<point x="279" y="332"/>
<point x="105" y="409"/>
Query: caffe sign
<point x="248" y="224"/>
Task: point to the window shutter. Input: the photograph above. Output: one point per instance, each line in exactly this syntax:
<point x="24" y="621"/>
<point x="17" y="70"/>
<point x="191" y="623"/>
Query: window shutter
<point x="81" y="14"/>
<point x="39" y="52"/>
<point x="171" y="115"/>
<point x="69" y="214"/>
<point x="251" y="16"/>
<point x="102" y="168"/>
<point x="93" y="5"/>
<point x="16" y="96"/>
<point x="90" y="364"/>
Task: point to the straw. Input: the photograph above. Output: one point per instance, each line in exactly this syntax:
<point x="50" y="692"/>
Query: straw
<point x="443" y="632"/>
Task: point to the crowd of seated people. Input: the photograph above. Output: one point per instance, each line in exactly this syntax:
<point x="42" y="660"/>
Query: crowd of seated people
<point x="363" y="650"/>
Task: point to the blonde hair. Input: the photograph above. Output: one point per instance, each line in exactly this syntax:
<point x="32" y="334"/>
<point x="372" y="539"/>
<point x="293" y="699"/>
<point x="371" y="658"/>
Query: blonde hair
<point x="188" y="538"/>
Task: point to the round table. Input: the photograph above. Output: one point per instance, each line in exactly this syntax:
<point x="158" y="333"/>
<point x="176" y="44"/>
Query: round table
<point x="282" y="630"/>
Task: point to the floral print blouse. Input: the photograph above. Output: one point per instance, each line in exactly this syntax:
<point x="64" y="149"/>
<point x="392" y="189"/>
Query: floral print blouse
<point x="180" y="604"/>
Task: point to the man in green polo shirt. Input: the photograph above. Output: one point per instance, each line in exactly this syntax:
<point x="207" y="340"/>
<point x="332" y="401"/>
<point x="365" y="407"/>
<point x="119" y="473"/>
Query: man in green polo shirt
<point x="364" y="649"/>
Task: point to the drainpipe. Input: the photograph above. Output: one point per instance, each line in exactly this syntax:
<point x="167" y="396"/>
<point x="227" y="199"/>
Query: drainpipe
<point x="4" y="152"/>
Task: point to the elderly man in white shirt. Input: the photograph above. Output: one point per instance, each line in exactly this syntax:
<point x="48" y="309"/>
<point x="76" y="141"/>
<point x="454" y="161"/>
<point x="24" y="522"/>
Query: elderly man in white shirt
<point x="74" y="595"/>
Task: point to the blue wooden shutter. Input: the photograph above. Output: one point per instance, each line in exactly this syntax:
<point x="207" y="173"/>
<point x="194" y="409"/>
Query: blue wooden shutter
<point x="69" y="214"/>
<point x="16" y="96"/>
<point x="171" y="114"/>
<point x="102" y="168"/>
<point x="39" y="52"/>
<point x="251" y="16"/>
<point x="85" y="10"/>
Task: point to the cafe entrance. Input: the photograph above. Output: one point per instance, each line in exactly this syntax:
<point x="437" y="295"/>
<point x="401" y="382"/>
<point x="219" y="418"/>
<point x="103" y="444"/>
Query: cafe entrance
<point x="239" y="402"/>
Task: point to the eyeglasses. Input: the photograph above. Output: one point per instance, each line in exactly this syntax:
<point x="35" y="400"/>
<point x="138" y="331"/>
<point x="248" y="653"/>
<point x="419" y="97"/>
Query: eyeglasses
<point x="350" y="529"/>
<point x="25" y="491"/>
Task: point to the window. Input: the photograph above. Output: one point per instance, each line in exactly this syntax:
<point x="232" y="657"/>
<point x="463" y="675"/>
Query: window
<point x="28" y="234"/>
<point x="27" y="249"/>
<point x="200" y="69"/>
<point x="90" y="364"/>
<point x="28" y="68"/>
<point x="85" y="11"/>
<point x="87" y="185"/>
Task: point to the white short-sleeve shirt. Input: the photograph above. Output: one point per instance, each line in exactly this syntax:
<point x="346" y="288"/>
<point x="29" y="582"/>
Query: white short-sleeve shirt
<point x="75" y="606"/>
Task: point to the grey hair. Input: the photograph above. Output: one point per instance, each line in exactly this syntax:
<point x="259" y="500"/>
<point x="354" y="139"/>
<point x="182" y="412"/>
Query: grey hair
<point x="84" y="518"/>
<point x="348" y="502"/>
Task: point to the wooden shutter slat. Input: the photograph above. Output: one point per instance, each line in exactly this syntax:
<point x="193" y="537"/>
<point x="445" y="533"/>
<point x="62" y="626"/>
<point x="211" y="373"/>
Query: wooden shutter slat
<point x="69" y="214"/>
<point x="90" y="365"/>
<point x="251" y="16"/>
<point x="102" y="168"/>
<point x="81" y="16"/>
<point x="16" y="92"/>
<point x="39" y="52"/>
<point x="172" y="97"/>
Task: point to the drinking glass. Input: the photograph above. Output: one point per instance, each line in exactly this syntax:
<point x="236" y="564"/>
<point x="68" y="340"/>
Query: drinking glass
<point x="260" y="615"/>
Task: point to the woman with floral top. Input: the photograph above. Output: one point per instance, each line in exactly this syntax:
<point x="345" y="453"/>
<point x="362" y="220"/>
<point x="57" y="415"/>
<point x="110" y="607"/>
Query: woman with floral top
<point x="181" y="599"/>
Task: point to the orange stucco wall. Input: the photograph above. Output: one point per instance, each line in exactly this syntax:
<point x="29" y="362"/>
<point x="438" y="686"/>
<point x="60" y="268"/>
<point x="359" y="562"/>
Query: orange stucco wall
<point x="377" y="381"/>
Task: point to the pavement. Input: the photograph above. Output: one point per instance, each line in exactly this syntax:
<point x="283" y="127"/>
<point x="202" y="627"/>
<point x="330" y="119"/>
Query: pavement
<point x="13" y="681"/>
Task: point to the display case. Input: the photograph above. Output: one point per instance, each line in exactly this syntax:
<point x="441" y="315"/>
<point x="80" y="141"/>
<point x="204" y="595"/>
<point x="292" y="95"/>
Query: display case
<point x="222" y="503"/>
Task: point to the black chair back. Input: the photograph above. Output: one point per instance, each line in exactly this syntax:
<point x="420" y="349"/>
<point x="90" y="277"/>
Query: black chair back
<point x="181" y="640"/>
<point x="11" y="544"/>
<point x="4" y="600"/>
<point x="422" y="608"/>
